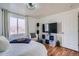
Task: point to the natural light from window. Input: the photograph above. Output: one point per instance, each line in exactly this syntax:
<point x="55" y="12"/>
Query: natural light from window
<point x="16" y="26"/>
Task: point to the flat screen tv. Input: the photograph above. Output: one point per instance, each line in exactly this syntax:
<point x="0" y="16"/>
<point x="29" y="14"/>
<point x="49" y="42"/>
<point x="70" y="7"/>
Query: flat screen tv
<point x="52" y="27"/>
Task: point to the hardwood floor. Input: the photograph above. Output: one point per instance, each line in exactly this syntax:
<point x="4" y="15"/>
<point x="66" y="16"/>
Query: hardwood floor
<point x="60" y="51"/>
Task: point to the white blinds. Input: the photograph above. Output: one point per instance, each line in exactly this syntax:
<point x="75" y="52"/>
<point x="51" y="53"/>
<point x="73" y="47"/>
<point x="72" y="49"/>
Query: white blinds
<point x="19" y="23"/>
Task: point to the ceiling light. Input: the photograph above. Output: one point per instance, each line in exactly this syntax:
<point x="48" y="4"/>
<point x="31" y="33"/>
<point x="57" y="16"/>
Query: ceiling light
<point x="32" y="6"/>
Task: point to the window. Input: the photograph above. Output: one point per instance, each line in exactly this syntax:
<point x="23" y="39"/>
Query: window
<point x="21" y="26"/>
<point x="16" y="26"/>
<point x="13" y="26"/>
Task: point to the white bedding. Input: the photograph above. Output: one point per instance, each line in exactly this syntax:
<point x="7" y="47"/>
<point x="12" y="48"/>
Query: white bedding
<point x="22" y="49"/>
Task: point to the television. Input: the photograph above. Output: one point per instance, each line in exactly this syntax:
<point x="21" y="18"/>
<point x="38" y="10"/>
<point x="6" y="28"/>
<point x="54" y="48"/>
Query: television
<point x="52" y="27"/>
<point x="49" y="28"/>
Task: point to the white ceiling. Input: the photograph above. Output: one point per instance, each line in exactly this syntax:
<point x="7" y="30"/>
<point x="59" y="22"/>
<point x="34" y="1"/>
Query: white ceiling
<point x="44" y="9"/>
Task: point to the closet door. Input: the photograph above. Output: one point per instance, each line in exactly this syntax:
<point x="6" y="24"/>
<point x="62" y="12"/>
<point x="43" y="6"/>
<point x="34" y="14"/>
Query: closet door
<point x="70" y="30"/>
<point x="78" y="32"/>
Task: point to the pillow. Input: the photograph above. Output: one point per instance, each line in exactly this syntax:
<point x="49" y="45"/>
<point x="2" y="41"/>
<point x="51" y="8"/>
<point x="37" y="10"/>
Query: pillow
<point x="33" y="35"/>
<point x="21" y="40"/>
<point x="4" y="44"/>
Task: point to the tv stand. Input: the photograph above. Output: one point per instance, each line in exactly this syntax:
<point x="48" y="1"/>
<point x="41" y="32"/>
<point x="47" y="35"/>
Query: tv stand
<point x="49" y="39"/>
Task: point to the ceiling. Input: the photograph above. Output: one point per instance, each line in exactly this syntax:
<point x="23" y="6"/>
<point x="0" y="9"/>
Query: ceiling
<point x="44" y="9"/>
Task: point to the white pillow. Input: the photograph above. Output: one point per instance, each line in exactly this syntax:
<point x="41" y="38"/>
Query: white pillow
<point x="4" y="44"/>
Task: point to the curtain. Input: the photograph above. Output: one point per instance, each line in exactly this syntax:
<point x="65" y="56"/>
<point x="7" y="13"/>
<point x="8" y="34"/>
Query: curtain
<point x="0" y="22"/>
<point x="27" y="27"/>
<point x="5" y="31"/>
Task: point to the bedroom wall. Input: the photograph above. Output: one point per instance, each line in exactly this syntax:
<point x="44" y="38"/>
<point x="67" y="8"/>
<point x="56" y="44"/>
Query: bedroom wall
<point x="32" y="25"/>
<point x="0" y="22"/>
<point x="67" y="27"/>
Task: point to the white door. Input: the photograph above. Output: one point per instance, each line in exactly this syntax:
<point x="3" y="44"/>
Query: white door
<point x="78" y="32"/>
<point x="70" y="30"/>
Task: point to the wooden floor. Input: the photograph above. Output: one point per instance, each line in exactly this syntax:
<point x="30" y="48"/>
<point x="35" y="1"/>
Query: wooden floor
<point x="60" y="51"/>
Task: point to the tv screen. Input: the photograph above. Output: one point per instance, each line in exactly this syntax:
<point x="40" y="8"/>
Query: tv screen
<point x="52" y="27"/>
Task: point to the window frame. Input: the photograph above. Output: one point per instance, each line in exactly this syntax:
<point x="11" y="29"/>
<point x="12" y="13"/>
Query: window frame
<point x="18" y="17"/>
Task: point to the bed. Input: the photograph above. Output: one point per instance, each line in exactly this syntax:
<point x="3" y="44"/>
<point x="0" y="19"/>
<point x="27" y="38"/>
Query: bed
<point x="22" y="49"/>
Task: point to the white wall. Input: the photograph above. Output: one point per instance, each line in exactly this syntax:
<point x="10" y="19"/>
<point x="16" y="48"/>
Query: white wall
<point x="0" y="22"/>
<point x="68" y="25"/>
<point x="32" y="24"/>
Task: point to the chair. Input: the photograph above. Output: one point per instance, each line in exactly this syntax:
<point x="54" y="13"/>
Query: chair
<point x="34" y="36"/>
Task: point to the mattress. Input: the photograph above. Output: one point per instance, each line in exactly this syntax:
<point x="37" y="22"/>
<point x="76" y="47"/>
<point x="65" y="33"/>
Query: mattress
<point x="22" y="49"/>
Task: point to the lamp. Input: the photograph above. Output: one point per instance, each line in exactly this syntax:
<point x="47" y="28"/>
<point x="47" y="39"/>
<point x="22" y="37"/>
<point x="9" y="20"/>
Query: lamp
<point x="32" y="6"/>
<point x="38" y="29"/>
